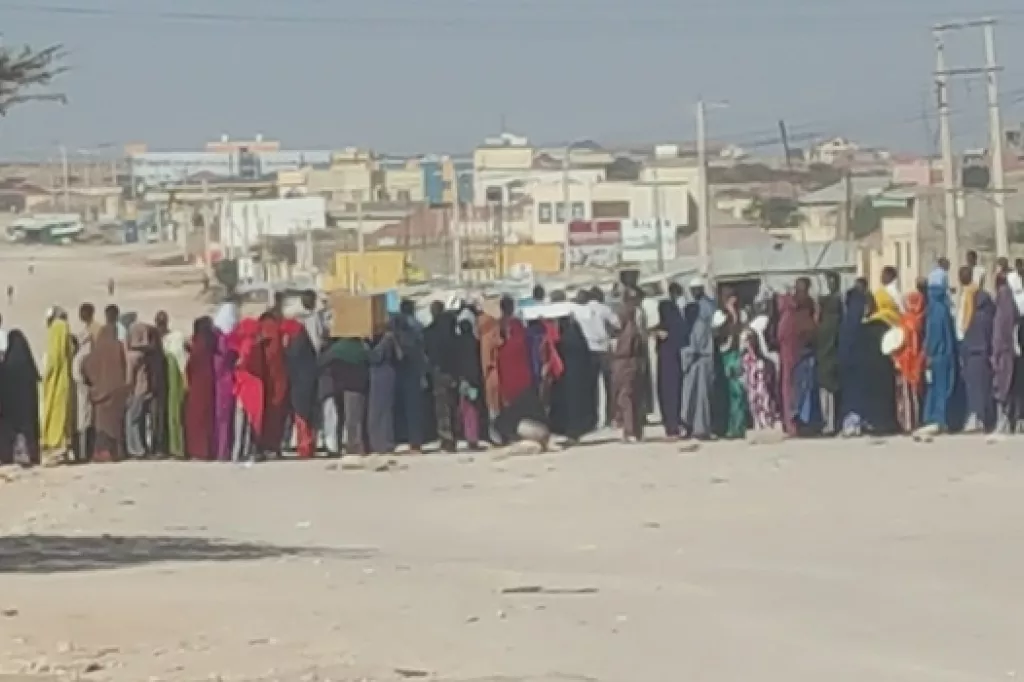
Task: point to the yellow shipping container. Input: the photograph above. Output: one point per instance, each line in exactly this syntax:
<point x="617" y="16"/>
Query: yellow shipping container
<point x="369" y="271"/>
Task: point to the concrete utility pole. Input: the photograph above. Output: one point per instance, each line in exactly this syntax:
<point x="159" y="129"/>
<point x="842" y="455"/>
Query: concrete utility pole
<point x="360" y="241"/>
<point x="310" y="260"/>
<point x="942" y="75"/>
<point x="456" y="227"/>
<point x="704" y="224"/>
<point x="995" y="125"/>
<point x="704" y="196"/>
<point x="566" y="212"/>
<point x="66" y="194"/>
<point x="207" y="224"/>
<point x="946" y="141"/>
<point x="659" y="244"/>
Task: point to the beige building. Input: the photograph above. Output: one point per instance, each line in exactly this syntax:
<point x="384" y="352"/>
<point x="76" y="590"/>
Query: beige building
<point x="404" y="184"/>
<point x="353" y="175"/>
<point x="508" y="167"/>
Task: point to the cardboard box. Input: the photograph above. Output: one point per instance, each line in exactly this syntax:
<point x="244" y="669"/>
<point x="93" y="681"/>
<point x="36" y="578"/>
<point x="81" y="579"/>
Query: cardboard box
<point x="357" y="316"/>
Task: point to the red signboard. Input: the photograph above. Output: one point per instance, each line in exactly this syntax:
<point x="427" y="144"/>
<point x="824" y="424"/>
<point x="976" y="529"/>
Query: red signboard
<point x="593" y="232"/>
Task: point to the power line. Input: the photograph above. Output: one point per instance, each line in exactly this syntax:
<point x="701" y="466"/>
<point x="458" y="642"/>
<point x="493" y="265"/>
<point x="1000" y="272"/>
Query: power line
<point x="676" y="17"/>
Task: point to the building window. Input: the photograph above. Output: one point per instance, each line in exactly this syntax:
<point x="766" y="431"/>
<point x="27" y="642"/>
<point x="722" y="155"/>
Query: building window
<point x="544" y="213"/>
<point x="560" y="212"/>
<point x="603" y="210"/>
<point x="578" y="210"/>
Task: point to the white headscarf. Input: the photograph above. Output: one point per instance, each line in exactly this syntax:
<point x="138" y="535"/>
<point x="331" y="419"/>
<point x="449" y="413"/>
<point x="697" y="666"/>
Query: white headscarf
<point x="757" y="327"/>
<point x="1016" y="284"/>
<point x="226" y="318"/>
<point x="174" y="345"/>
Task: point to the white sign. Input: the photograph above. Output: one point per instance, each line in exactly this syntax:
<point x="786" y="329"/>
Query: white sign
<point x="640" y="238"/>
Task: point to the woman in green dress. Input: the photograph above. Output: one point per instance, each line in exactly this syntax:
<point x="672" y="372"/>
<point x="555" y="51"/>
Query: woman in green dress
<point x="174" y="352"/>
<point x="729" y="325"/>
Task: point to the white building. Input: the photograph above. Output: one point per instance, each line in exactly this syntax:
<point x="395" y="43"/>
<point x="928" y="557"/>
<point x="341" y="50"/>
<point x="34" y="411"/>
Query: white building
<point x="832" y="151"/>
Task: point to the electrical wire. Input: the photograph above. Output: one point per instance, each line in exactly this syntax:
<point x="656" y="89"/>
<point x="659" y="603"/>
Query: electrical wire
<point x="668" y="16"/>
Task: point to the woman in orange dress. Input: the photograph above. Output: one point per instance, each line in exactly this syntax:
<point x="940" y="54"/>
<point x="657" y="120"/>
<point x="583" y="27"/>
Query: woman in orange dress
<point x="910" y="362"/>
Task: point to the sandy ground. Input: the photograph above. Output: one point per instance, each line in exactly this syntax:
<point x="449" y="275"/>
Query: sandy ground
<point x="71" y="275"/>
<point x="801" y="561"/>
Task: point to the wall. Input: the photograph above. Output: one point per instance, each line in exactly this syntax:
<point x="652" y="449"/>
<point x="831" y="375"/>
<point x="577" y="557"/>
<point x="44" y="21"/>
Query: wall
<point x="477" y="221"/>
<point x="543" y="258"/>
<point x="503" y="158"/>
<point x="344" y="182"/>
<point x="528" y="178"/>
<point x="244" y="222"/>
<point x="821" y="224"/>
<point x="670" y="174"/>
<point x="900" y="247"/>
<point x="917" y="172"/>
<point x="668" y="202"/>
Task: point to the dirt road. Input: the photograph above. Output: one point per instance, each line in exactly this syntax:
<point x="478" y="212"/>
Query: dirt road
<point x="794" y="562"/>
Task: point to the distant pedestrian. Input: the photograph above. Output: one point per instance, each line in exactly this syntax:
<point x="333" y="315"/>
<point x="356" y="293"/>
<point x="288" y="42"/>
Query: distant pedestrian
<point x="31" y="265"/>
<point x="111" y="287"/>
<point x="10" y="294"/>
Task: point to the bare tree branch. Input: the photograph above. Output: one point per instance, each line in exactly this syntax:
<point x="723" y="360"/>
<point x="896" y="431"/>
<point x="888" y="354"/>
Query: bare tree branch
<point x="25" y="70"/>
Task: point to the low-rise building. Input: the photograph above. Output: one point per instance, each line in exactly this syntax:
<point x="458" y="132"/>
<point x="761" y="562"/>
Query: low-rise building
<point x="606" y="200"/>
<point x="822" y="211"/>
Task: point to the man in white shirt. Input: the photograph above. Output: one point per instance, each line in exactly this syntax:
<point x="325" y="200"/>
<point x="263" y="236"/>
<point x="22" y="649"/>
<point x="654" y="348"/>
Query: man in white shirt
<point x="598" y="323"/>
<point x="891" y="282"/>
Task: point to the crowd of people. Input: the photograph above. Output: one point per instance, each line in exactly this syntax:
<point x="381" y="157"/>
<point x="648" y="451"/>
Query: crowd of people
<point x="942" y="357"/>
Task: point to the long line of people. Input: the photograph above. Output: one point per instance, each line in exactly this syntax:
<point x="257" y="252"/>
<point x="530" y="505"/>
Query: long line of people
<point x="863" y="362"/>
<point x="939" y="359"/>
<point x="247" y="389"/>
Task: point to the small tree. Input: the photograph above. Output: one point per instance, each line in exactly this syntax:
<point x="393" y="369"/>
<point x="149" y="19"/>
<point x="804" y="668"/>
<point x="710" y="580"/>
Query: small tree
<point x="866" y="219"/>
<point x="774" y="212"/>
<point x="24" y="70"/>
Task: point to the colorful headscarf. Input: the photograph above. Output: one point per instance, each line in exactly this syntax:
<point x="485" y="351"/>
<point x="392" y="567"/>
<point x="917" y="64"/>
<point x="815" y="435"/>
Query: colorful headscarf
<point x="886" y="309"/>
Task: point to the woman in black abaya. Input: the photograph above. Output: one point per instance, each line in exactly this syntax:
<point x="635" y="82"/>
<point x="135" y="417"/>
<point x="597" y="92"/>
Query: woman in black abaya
<point x="19" y="403"/>
<point x="573" y="412"/>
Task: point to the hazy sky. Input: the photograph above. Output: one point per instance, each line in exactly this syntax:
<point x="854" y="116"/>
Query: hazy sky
<point x="422" y="75"/>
